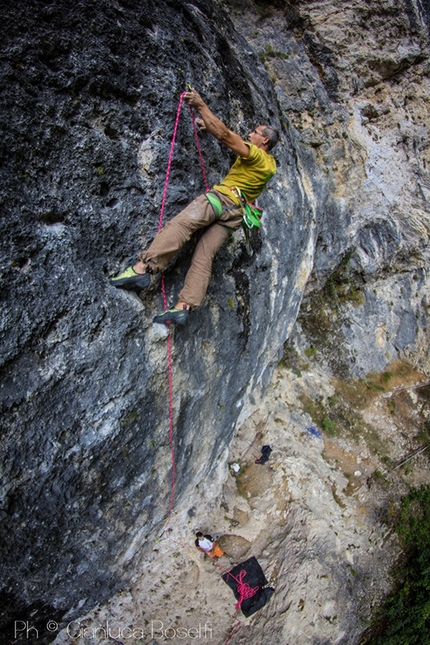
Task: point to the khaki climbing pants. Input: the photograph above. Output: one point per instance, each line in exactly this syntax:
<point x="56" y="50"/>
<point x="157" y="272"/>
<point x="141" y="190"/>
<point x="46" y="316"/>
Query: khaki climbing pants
<point x="171" y="238"/>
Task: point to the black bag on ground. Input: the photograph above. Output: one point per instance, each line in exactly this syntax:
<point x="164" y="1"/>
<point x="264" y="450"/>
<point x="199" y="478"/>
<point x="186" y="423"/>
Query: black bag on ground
<point x="254" y="577"/>
<point x="265" y="454"/>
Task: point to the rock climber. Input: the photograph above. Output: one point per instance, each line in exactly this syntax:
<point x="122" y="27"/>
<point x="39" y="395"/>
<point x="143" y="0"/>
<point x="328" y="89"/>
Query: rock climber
<point x="219" y="212"/>
<point x="207" y="544"/>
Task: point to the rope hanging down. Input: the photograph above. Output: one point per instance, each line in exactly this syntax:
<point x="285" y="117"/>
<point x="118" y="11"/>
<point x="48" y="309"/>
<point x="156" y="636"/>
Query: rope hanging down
<point x="244" y="589"/>
<point x="163" y="288"/>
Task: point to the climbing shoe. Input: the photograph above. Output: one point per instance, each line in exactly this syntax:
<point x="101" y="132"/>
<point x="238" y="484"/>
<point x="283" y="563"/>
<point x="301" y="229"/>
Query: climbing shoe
<point x="174" y="316"/>
<point x="129" y="279"/>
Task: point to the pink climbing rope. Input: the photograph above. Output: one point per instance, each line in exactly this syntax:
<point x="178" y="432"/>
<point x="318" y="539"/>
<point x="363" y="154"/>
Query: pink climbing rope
<point x="234" y="630"/>
<point x="243" y="589"/>
<point x="202" y="163"/>
<point x="163" y="288"/>
<point x="172" y="147"/>
<point x="170" y="376"/>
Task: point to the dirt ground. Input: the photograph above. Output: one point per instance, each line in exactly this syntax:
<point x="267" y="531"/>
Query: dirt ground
<point x="316" y="516"/>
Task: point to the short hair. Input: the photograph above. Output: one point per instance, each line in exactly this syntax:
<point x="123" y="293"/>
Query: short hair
<point x="273" y="135"/>
<point x="199" y="533"/>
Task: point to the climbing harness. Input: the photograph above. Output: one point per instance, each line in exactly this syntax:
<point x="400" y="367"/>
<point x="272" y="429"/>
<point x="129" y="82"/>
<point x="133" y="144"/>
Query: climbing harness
<point x="217" y="205"/>
<point x="251" y="214"/>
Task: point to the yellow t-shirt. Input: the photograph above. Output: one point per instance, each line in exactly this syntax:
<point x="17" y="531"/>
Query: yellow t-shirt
<point x="249" y="174"/>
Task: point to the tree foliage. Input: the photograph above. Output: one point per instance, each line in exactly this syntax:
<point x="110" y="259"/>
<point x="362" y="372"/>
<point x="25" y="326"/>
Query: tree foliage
<point x="405" y="617"/>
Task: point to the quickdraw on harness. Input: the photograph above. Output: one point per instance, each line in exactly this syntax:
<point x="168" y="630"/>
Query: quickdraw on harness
<point x="251" y="214"/>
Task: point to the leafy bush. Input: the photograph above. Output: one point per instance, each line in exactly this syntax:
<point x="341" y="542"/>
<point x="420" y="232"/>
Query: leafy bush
<point x="405" y="617"/>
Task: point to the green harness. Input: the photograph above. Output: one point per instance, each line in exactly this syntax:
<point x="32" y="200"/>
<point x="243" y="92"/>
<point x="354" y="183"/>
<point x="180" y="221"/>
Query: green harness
<point x="216" y="204"/>
<point x="251" y="214"/>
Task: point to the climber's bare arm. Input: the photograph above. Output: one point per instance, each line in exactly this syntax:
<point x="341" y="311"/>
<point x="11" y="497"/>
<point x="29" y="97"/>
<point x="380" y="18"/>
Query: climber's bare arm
<point x="215" y="126"/>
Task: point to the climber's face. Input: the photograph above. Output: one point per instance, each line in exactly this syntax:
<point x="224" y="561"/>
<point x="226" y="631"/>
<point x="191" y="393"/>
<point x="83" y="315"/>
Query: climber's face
<point x="257" y="137"/>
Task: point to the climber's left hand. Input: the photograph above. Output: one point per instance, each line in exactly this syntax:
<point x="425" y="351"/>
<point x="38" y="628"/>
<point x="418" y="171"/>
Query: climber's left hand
<point x="194" y="100"/>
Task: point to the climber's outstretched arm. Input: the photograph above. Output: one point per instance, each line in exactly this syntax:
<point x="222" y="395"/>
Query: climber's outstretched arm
<point x="215" y="126"/>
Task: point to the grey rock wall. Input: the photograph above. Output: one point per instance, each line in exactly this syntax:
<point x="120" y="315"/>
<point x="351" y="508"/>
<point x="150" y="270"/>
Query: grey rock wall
<point x="89" y="95"/>
<point x="353" y="81"/>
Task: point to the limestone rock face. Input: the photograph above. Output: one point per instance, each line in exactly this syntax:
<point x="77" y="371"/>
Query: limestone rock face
<point x="354" y="81"/>
<point x="89" y="96"/>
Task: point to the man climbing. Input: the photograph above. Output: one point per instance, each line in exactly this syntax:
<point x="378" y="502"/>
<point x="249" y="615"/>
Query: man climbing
<point x="219" y="212"/>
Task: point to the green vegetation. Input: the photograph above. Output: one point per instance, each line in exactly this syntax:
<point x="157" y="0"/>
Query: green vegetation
<point x="340" y="286"/>
<point x="405" y="617"/>
<point x="341" y="413"/>
<point x="131" y="418"/>
<point x="324" y="311"/>
<point x="291" y="360"/>
<point x="265" y="10"/>
<point x="424" y="434"/>
<point x="329" y="426"/>
<point x="269" y="52"/>
<point x="322" y="316"/>
<point x="392" y="407"/>
<point x="310" y="352"/>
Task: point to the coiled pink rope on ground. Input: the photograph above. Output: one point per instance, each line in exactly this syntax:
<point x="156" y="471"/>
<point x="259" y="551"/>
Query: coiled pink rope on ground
<point x="243" y="588"/>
